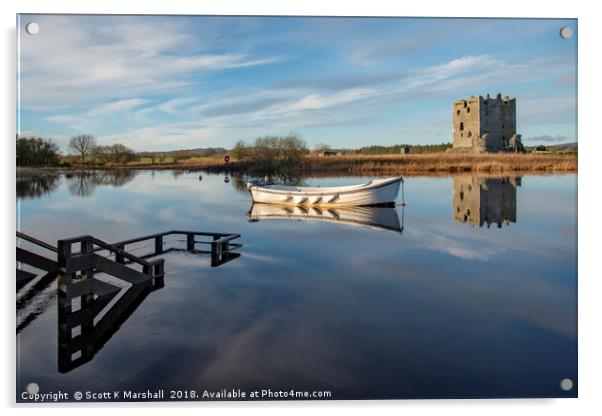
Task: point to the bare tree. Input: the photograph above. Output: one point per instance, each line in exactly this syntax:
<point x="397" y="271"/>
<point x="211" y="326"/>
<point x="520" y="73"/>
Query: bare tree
<point x="320" y="147"/>
<point x="115" y="153"/>
<point x="82" y="144"/>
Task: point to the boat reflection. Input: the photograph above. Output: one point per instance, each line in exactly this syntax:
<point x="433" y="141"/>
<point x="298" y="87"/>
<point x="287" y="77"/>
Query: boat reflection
<point x="485" y="201"/>
<point x="375" y="217"/>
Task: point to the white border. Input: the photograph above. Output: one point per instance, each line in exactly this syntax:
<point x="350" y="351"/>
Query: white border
<point x="590" y="151"/>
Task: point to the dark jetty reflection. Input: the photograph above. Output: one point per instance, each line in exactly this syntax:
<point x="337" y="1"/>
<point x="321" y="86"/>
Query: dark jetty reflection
<point x="76" y="350"/>
<point x="91" y="310"/>
<point x="485" y="201"/>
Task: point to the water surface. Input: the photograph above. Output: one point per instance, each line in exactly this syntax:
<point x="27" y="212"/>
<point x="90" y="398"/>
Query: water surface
<point x="471" y="293"/>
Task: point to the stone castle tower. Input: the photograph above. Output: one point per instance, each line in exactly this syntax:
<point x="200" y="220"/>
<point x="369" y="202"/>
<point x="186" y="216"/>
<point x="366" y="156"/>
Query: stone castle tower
<point x="484" y="124"/>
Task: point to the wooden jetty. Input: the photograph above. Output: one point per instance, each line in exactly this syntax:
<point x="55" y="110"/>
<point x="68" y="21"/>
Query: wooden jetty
<point x="125" y="266"/>
<point x="81" y="331"/>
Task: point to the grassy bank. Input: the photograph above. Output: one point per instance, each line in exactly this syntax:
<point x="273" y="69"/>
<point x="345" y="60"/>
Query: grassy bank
<point x="418" y="164"/>
<point x="433" y="163"/>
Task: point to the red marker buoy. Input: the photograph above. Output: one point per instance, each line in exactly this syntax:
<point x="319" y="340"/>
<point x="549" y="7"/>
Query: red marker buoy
<point x="226" y="159"/>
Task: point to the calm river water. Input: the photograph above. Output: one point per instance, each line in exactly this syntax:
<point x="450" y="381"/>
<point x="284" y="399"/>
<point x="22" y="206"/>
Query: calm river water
<point x="470" y="290"/>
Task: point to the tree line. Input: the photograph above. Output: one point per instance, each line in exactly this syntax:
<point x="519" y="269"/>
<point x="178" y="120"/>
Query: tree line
<point x="271" y="152"/>
<point x="397" y="149"/>
<point x="38" y="151"/>
<point x="266" y="152"/>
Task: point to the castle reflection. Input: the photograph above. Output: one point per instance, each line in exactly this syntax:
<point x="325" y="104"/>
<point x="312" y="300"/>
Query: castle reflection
<point x="485" y="201"/>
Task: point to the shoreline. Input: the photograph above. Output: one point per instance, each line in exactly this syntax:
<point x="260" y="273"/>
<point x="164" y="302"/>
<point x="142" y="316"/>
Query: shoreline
<point x="412" y="165"/>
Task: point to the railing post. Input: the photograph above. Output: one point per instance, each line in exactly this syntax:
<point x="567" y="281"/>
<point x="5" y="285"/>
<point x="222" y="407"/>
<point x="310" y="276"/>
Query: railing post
<point x="63" y="255"/>
<point x="87" y="248"/>
<point x="119" y="254"/>
<point x="159" y="274"/>
<point x="64" y="252"/>
<point x="159" y="244"/>
<point x="189" y="241"/>
<point x="64" y="332"/>
<point x="215" y="253"/>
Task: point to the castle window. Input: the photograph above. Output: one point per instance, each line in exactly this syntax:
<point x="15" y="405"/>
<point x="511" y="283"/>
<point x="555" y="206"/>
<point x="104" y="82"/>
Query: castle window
<point x="458" y="112"/>
<point x="468" y="110"/>
<point x="461" y="126"/>
<point x="464" y="104"/>
<point x="469" y="134"/>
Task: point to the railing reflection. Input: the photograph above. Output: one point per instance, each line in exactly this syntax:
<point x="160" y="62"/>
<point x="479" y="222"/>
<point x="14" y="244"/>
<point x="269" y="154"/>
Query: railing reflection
<point x="90" y="308"/>
<point x="484" y="201"/>
<point x="79" y="336"/>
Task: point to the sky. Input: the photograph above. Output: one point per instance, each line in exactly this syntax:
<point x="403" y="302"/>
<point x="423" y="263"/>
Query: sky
<point x="178" y="82"/>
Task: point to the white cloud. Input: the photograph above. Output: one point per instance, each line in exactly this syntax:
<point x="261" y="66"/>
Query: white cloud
<point x="116" y="106"/>
<point x="63" y="118"/>
<point x="318" y="101"/>
<point x="81" y="60"/>
<point x="168" y="136"/>
<point x="97" y="115"/>
<point x="244" y="114"/>
<point x="173" y="106"/>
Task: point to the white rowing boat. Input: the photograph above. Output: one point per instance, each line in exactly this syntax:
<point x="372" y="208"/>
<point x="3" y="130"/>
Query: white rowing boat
<point x="375" y="192"/>
<point x="380" y="218"/>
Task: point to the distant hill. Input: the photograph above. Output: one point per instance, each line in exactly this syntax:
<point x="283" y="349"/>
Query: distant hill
<point x="572" y="145"/>
<point x="554" y="148"/>
<point x="198" y="150"/>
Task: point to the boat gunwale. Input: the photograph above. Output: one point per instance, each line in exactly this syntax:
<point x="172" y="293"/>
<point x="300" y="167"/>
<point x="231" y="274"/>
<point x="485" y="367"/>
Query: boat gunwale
<point x="359" y="188"/>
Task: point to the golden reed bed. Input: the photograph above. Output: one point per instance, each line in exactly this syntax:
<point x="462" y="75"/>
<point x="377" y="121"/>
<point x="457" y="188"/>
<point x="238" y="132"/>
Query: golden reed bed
<point x="417" y="164"/>
<point x="442" y="163"/>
